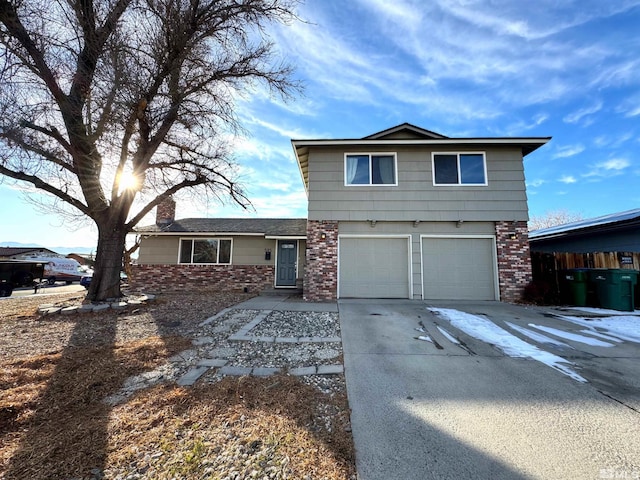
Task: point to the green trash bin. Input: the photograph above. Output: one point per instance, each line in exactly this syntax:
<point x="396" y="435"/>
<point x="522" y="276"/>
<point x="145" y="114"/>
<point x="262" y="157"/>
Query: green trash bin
<point x="615" y="287"/>
<point x="575" y="283"/>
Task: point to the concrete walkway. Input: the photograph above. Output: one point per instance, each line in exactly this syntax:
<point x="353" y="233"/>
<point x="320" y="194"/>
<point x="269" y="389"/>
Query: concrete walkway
<point x="292" y="303"/>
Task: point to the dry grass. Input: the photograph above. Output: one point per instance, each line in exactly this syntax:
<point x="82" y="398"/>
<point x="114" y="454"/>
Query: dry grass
<point x="54" y="423"/>
<point x="247" y="424"/>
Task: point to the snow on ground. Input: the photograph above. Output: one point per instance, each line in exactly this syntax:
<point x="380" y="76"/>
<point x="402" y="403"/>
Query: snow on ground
<point x="604" y="311"/>
<point x="572" y="336"/>
<point x="447" y="335"/>
<point x="600" y="335"/>
<point x="622" y="327"/>
<point x="538" y="337"/>
<point x="487" y="331"/>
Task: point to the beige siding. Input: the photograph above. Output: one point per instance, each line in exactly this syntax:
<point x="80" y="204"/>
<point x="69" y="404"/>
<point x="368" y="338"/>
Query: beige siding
<point x="415" y="197"/>
<point x="246" y="250"/>
<point x="250" y="251"/>
<point x="158" y="250"/>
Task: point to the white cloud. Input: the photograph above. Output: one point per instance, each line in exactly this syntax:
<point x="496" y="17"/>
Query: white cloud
<point x="567" y="179"/>
<point x="608" y="168"/>
<point x="536" y="183"/>
<point x="520" y="126"/>
<point x="295" y="133"/>
<point x="630" y="106"/>
<point x="634" y="112"/>
<point x="464" y="60"/>
<point x="613" y="140"/>
<point x="568" y="151"/>
<point x="578" y="115"/>
<point x="616" y="74"/>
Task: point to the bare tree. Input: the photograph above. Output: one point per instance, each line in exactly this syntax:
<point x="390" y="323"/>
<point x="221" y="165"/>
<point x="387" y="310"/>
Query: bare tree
<point x="104" y="103"/>
<point x="553" y="218"/>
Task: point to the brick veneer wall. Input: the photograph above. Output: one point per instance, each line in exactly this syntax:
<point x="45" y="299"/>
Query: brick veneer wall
<point x="514" y="259"/>
<point x="180" y="278"/>
<point x="321" y="270"/>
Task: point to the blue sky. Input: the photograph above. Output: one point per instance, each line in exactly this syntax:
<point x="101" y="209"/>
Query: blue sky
<point x="467" y="68"/>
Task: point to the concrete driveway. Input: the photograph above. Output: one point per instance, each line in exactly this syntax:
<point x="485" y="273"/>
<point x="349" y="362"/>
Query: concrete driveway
<point x="441" y="410"/>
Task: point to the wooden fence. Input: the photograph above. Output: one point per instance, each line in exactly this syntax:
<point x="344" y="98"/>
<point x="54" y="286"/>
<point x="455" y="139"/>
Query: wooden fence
<point x="547" y="267"/>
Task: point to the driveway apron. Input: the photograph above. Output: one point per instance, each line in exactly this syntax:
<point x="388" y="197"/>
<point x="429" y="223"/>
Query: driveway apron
<point x="423" y="410"/>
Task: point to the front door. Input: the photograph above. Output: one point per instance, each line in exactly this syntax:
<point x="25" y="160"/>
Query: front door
<point x="286" y="263"/>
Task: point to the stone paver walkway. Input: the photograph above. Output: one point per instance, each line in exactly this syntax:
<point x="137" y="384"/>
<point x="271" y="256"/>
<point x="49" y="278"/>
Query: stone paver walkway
<point x="265" y="306"/>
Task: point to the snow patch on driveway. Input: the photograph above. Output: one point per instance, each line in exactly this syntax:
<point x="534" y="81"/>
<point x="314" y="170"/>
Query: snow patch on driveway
<point x="509" y="344"/>
<point x="572" y="336"/>
<point x="624" y="328"/>
<point x="538" y="337"/>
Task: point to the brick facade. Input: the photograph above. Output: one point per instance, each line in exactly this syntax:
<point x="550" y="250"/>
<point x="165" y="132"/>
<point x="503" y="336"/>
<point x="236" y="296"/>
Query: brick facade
<point x="321" y="271"/>
<point x="181" y="278"/>
<point x="514" y="259"/>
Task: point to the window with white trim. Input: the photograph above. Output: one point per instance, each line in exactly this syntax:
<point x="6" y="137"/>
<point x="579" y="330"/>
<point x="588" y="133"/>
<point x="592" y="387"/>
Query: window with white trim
<point x="205" y="250"/>
<point x="370" y="169"/>
<point x="459" y="169"/>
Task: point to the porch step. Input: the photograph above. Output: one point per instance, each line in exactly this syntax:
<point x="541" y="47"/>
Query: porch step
<point x="280" y="292"/>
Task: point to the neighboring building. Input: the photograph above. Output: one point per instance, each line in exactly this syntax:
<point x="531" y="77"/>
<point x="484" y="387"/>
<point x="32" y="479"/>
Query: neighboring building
<point x="403" y="213"/>
<point x="22" y="253"/>
<point x="617" y="232"/>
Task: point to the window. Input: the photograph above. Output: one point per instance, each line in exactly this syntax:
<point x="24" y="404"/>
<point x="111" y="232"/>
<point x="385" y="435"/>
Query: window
<point x="206" y="250"/>
<point x="459" y="169"/>
<point x="370" y="169"/>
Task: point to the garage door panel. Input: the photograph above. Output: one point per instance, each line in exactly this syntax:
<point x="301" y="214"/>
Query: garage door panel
<point x="374" y="267"/>
<point x="458" y="268"/>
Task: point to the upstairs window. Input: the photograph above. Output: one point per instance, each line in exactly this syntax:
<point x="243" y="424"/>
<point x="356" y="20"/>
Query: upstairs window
<point x="370" y="169"/>
<point x="459" y="169"/>
<point x="205" y="250"/>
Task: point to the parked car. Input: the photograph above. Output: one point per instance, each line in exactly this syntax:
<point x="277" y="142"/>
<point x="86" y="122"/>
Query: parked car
<point x="85" y="281"/>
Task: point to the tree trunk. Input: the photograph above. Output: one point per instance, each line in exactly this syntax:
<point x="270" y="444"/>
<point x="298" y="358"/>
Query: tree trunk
<point x="105" y="283"/>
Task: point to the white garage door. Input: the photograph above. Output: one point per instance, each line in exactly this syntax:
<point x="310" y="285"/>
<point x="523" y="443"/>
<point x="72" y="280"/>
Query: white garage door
<point x="373" y="267"/>
<point x="458" y="268"/>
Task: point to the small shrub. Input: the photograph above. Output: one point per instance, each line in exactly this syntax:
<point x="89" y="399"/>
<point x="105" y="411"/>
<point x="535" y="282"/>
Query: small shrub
<point x="541" y="293"/>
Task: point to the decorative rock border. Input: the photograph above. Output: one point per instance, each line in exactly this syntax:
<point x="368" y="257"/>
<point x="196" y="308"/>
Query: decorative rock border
<point x="51" y="309"/>
<point x="203" y="366"/>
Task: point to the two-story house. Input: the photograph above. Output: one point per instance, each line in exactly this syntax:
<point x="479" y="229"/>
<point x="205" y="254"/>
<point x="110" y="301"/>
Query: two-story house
<point x="403" y="213"/>
<point x="409" y="213"/>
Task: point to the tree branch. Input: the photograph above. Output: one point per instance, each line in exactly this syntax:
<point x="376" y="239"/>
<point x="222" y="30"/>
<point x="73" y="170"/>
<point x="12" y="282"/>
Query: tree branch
<point x="9" y="17"/>
<point x="42" y="185"/>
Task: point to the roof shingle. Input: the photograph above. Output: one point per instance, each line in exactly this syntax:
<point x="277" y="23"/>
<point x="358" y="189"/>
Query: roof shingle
<point x="287" y="227"/>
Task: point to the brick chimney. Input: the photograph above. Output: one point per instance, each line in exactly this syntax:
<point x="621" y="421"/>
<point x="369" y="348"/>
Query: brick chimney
<point x="166" y="212"/>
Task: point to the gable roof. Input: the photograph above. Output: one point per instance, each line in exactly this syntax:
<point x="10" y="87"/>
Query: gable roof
<point x="269" y="227"/>
<point x="403" y="135"/>
<point x="404" y="130"/>
<point x="613" y="220"/>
